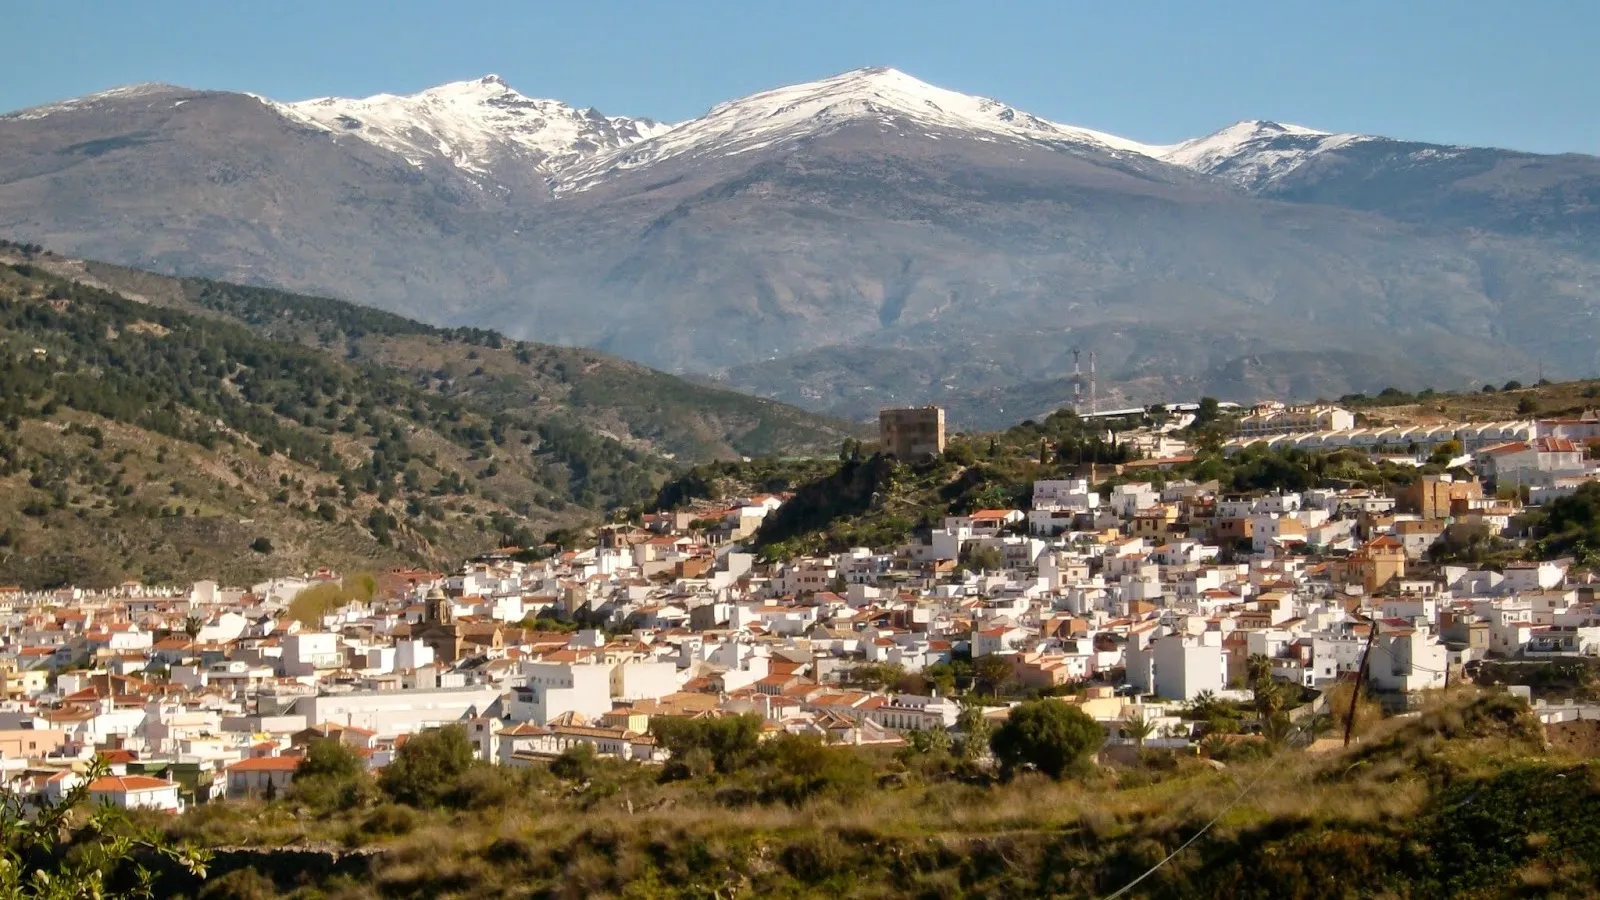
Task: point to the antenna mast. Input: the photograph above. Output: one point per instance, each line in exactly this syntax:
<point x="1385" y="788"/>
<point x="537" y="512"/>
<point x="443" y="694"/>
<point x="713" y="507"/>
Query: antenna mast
<point x="1094" y="399"/>
<point x="1077" y="385"/>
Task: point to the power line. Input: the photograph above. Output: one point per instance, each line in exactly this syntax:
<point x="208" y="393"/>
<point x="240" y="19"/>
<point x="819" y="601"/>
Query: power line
<point x="1207" y="827"/>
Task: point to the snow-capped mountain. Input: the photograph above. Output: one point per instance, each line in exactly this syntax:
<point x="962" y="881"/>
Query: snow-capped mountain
<point x="846" y="242"/>
<point x="117" y="96"/>
<point x="880" y="94"/>
<point x="476" y="126"/>
<point x="473" y="124"/>
<point x="1253" y="154"/>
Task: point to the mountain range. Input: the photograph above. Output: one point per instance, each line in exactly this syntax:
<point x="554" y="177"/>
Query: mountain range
<point x="863" y="240"/>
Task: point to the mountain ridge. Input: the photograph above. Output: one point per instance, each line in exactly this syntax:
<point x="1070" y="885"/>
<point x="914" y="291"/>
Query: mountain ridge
<point x="862" y="216"/>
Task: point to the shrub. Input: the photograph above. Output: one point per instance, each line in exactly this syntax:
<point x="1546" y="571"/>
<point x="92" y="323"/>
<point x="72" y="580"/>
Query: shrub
<point x="724" y="744"/>
<point x="489" y="787"/>
<point x="576" y="763"/>
<point x="240" y="884"/>
<point x="799" y="769"/>
<point x="391" y="820"/>
<point x="427" y="765"/>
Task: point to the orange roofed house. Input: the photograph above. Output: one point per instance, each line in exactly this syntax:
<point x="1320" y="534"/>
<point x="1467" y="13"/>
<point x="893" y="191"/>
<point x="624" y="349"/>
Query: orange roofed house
<point x="261" y="775"/>
<point x="136" y="792"/>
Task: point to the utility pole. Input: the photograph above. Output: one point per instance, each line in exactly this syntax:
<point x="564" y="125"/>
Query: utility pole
<point x="1361" y="677"/>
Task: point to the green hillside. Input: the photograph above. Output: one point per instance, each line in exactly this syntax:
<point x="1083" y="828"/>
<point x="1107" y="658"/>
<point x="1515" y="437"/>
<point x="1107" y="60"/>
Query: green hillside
<point x="642" y="407"/>
<point x="145" y="442"/>
<point x="166" y="429"/>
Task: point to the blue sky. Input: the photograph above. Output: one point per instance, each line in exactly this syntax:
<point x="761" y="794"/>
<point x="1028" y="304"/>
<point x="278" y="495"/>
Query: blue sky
<point x="1524" y="74"/>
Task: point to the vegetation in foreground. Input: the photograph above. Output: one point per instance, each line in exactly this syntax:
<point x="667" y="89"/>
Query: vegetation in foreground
<point x="1464" y="799"/>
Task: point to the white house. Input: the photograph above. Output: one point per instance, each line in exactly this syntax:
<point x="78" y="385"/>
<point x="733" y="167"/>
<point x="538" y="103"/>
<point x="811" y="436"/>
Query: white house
<point x="553" y="689"/>
<point x="1406" y="659"/>
<point x="136" y="792"/>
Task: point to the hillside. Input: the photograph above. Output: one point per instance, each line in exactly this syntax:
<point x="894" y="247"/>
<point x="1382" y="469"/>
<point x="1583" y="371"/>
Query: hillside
<point x="144" y="442"/>
<point x="614" y="398"/>
<point x="1490" y="403"/>
<point x="870" y="500"/>
<point x="861" y="240"/>
<point x="1468" y="798"/>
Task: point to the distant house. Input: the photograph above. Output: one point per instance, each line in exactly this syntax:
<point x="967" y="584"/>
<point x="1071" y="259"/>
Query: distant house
<point x="259" y="776"/>
<point x="136" y="792"/>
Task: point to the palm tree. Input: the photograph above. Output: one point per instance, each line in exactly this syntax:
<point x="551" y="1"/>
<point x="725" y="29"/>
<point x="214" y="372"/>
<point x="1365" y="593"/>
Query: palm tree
<point x="192" y="626"/>
<point x="1268" y="698"/>
<point x="1138" y="727"/>
<point x="1277" y="730"/>
<point x="1203" y="704"/>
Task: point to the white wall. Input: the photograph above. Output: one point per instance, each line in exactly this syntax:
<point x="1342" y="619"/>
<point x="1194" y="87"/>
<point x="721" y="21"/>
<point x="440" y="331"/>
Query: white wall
<point x="644" y="681"/>
<point x="553" y="689"/>
<point x="1185" y="665"/>
<point x="391" y="713"/>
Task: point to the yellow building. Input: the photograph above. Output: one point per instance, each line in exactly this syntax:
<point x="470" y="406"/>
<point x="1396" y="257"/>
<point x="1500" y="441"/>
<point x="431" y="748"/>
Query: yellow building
<point x="1378" y="562"/>
<point x="20" y="684"/>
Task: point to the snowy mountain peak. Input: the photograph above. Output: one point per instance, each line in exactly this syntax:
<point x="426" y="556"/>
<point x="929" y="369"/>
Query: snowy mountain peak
<point x="876" y="93"/>
<point x="472" y="125"/>
<point x="1255" y="152"/>
<point x="148" y="90"/>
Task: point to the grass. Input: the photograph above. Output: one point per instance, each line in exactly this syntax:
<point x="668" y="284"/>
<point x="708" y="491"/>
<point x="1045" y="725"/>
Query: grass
<point x="1463" y="798"/>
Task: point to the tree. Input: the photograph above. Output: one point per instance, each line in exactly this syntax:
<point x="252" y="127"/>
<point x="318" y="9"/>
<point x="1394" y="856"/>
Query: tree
<point x="985" y="559"/>
<point x="577" y="763"/>
<point x="1512" y="385"/>
<point x="960" y="454"/>
<point x="426" y="765"/>
<point x="192" y="626"/>
<point x="1218" y="716"/>
<point x="942" y="677"/>
<point x="1209" y="411"/>
<point x="329" y="758"/>
<point x="1527" y="406"/>
<point x="261" y="545"/>
<point x="1138" y="728"/>
<point x="975" y="729"/>
<point x="1046" y="735"/>
<point x="799" y="768"/>
<point x="50" y="852"/>
<point x="992" y="670"/>
<point x="1445" y="452"/>
<point x="1266" y="694"/>
<point x="875" y="676"/>
<point x="723" y="744"/>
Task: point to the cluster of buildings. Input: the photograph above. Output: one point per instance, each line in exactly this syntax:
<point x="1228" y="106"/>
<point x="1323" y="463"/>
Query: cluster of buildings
<point x="1148" y="595"/>
<point x="1542" y="458"/>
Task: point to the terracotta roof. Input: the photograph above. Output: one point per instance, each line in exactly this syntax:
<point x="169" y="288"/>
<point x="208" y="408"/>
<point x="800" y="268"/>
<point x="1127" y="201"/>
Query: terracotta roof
<point x="121" y="784"/>
<point x="267" y="764"/>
